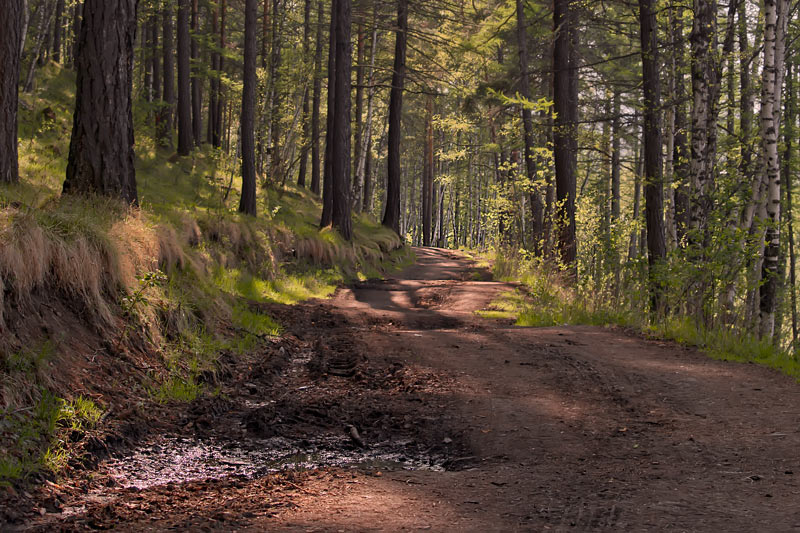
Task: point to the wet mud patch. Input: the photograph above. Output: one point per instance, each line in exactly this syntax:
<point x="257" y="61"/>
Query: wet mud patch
<point x="182" y="460"/>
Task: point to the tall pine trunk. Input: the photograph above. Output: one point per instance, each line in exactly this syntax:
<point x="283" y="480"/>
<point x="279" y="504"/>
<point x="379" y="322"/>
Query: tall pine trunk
<point x="247" y="204"/>
<point x="197" y="81"/>
<point x="427" y="174"/>
<point x="315" y="133"/>
<point x="11" y="16"/>
<point x="301" y="174"/>
<point x="101" y="158"/>
<point x="185" y="131"/>
<point x="527" y="124"/>
<point x="391" y="217"/>
<point x="565" y="129"/>
<point x="341" y="122"/>
<point x="653" y="186"/>
<point x="164" y="123"/>
<point x="327" y="184"/>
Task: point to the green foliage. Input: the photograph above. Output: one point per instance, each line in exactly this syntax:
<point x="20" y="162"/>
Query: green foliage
<point x="33" y="439"/>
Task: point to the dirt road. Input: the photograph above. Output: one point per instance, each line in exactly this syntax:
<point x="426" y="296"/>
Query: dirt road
<point x="563" y="429"/>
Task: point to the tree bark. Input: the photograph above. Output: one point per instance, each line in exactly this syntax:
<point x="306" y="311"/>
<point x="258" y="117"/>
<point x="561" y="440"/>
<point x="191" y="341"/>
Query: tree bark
<point x="197" y="81"/>
<point x="185" y="131"/>
<point x="341" y="123"/>
<point x="11" y="16"/>
<point x="315" y="160"/>
<point x="164" y="123"/>
<point x="427" y="174"/>
<point x="775" y="15"/>
<point x="527" y="124"/>
<point x="247" y="204"/>
<point x="705" y="94"/>
<point x="47" y="8"/>
<point x="653" y="184"/>
<point x="301" y="174"/>
<point x="327" y="184"/>
<point x="156" y="59"/>
<point x="358" y="133"/>
<point x="364" y="187"/>
<point x="615" y="160"/>
<point x="391" y="217"/>
<point x="565" y="129"/>
<point x="76" y="30"/>
<point x="276" y="163"/>
<point x="57" y="31"/>
<point x="212" y="137"/>
<point x="101" y="158"/>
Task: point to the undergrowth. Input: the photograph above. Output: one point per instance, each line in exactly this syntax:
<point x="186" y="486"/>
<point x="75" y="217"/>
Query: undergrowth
<point x="543" y="300"/>
<point x="176" y="279"/>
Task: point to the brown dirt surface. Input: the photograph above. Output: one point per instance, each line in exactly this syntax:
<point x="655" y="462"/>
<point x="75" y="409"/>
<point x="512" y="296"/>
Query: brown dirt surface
<point x="403" y="410"/>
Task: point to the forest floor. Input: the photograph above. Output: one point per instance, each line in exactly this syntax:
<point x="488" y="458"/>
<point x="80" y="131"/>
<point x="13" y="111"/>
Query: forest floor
<point x="394" y="407"/>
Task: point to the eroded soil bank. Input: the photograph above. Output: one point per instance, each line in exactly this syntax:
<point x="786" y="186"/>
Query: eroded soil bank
<point x="393" y="407"/>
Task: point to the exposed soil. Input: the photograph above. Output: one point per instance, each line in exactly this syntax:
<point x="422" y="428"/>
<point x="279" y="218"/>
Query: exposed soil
<point x="393" y="407"/>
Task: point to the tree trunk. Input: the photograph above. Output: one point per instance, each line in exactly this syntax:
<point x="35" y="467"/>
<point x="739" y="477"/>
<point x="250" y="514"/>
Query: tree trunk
<point x="362" y="170"/>
<point x="276" y="164"/>
<point x="358" y="133"/>
<point x="527" y="123"/>
<point x="247" y="204"/>
<point x="26" y="19"/>
<point x="301" y="175"/>
<point x="789" y="131"/>
<point x="653" y="186"/>
<point x="427" y="174"/>
<point x="220" y="106"/>
<point x="185" y="132"/>
<point x="705" y="93"/>
<point x="315" y="160"/>
<point x="341" y="122"/>
<point x="212" y="137"/>
<point x="197" y="81"/>
<point x="164" y="123"/>
<point x="615" y="160"/>
<point x="47" y="8"/>
<point x="156" y="59"/>
<point x="775" y="15"/>
<point x="680" y="142"/>
<point x="57" y="31"/>
<point x="101" y="158"/>
<point x="327" y="185"/>
<point x="391" y="217"/>
<point x="76" y="29"/>
<point x="565" y="131"/>
<point x="11" y="16"/>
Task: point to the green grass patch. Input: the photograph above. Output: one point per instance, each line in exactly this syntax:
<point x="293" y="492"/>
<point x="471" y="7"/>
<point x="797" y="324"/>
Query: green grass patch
<point x="34" y="438"/>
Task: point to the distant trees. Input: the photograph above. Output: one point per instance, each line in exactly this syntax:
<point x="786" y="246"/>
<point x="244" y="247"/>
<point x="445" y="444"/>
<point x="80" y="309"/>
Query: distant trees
<point x="101" y="158"/>
<point x="11" y="17"/>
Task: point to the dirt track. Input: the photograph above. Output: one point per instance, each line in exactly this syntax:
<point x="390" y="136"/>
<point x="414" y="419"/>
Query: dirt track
<point x="568" y="428"/>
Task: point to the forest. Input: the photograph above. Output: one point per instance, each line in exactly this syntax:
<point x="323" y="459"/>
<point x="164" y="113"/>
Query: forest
<point x="215" y="214"/>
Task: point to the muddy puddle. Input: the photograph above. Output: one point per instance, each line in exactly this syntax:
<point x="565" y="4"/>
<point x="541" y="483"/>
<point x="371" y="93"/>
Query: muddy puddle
<point x="180" y="460"/>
